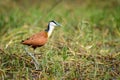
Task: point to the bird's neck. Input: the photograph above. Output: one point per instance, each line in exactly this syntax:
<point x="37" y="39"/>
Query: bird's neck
<point x="50" y="30"/>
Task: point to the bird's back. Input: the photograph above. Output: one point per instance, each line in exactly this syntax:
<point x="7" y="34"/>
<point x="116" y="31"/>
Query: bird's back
<point x="36" y="40"/>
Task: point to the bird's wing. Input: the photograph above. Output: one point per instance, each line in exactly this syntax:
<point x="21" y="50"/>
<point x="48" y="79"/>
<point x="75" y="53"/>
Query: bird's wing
<point x="37" y="39"/>
<point x="39" y="35"/>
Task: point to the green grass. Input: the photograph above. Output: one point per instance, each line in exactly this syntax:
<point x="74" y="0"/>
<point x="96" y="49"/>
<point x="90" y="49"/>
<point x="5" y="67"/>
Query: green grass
<point x="86" y="47"/>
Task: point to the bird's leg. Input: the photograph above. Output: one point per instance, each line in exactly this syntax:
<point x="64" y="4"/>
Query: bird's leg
<point x="36" y="63"/>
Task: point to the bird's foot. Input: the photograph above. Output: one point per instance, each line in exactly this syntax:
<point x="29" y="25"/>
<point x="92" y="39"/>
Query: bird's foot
<point x="36" y="63"/>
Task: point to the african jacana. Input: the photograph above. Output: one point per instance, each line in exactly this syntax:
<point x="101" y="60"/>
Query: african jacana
<point x="39" y="39"/>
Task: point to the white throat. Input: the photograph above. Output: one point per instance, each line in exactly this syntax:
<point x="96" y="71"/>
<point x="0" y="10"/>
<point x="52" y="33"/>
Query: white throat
<point x="51" y="28"/>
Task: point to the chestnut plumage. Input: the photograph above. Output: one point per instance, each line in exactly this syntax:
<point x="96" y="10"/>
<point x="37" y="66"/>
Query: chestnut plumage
<point x="37" y="40"/>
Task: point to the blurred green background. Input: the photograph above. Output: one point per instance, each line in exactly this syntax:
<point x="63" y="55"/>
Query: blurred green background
<point x="86" y="47"/>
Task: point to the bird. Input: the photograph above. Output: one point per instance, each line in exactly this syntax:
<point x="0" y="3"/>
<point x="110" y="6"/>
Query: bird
<point x="41" y="38"/>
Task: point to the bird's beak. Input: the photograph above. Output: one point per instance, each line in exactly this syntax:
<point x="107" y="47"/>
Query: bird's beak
<point x="59" y="24"/>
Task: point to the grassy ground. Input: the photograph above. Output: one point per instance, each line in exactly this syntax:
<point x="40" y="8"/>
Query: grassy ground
<point x="86" y="47"/>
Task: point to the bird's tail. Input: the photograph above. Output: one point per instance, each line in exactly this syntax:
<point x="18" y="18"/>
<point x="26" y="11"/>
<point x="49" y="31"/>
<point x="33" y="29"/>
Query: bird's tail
<point x="22" y="41"/>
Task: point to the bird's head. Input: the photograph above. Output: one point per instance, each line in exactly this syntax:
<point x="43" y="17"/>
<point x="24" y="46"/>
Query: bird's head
<point x="51" y="25"/>
<point x="54" y="23"/>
